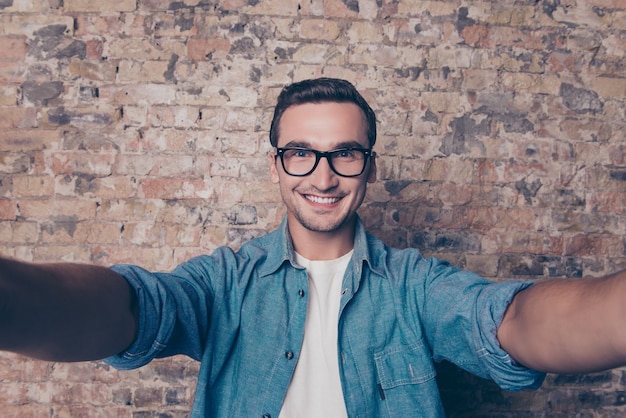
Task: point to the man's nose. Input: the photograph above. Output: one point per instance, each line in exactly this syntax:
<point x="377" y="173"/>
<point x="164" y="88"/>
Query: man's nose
<point x="323" y="177"/>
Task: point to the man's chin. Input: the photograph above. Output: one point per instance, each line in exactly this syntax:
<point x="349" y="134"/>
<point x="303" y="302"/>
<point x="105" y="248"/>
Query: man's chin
<point x="321" y="226"/>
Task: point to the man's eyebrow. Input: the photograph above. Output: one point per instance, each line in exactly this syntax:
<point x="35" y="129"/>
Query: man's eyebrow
<point x="297" y="144"/>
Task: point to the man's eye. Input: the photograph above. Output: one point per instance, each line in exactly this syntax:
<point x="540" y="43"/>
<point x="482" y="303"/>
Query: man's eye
<point x="345" y="154"/>
<point x="302" y="153"/>
<point x="298" y="153"/>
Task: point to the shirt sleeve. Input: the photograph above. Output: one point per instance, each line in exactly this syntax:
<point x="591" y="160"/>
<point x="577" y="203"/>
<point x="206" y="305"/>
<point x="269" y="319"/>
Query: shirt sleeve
<point x="174" y="312"/>
<point x="466" y="311"/>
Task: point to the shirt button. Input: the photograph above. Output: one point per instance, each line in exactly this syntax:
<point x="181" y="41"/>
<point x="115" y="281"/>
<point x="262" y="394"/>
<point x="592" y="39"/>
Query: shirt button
<point x="267" y="416"/>
<point x="301" y="293"/>
<point x="289" y="355"/>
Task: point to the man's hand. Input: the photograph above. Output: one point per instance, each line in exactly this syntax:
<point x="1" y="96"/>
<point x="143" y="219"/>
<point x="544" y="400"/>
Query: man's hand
<point x="64" y="312"/>
<point x="568" y="326"/>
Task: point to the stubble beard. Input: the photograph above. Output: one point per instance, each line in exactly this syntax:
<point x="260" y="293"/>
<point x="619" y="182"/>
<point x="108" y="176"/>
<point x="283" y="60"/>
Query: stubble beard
<point x="319" y="225"/>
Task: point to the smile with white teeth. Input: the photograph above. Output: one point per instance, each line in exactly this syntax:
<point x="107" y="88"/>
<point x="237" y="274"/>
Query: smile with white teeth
<point x="321" y="200"/>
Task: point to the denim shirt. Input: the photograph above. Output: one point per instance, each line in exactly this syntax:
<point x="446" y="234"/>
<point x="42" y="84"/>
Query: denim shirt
<point x="242" y="315"/>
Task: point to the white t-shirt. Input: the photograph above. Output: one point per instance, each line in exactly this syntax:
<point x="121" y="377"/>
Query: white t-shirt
<point x="315" y="388"/>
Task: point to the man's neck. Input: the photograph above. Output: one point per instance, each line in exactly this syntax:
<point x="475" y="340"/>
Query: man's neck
<point x="322" y="245"/>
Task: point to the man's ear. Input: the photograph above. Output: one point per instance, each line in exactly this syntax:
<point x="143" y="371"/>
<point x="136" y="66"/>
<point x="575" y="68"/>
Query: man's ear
<point x="273" y="168"/>
<point x="371" y="176"/>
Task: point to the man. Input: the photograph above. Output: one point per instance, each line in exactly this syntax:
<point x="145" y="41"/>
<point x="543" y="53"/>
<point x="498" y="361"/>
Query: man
<point x="317" y="318"/>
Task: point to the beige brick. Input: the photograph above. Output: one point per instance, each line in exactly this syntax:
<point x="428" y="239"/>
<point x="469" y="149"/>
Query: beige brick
<point x="32" y="6"/>
<point x="12" y="48"/>
<point x="128" y="210"/>
<point x="484" y="265"/>
<point x="28" y="139"/>
<point x="115" y="24"/>
<point x="73" y="6"/>
<point x="73" y="253"/>
<point x="276" y="8"/>
<point x="319" y="29"/>
<point x="99" y="71"/>
<point x="108" y="187"/>
<point x="145" y="49"/>
<point x="374" y="54"/>
<point x="594" y="246"/>
<point x="12" y="71"/>
<point x="442" y="101"/>
<point x="24" y="233"/>
<point x="33" y="186"/>
<point x="18" y="117"/>
<point x="161" y="165"/>
<point x="521" y="15"/>
<point x="148" y="71"/>
<point x="66" y="208"/>
<point x="72" y="162"/>
<point x="434" y="8"/>
<point x="177" y="117"/>
<point x="157" y="259"/>
<point x="138" y="94"/>
<point x="178" y="188"/>
<point x="539" y="84"/>
<point x="27" y="24"/>
<point x="610" y="87"/>
<point x="207" y="49"/>
<point x="363" y="31"/>
<point x="8" y="209"/>
<point x="84" y="232"/>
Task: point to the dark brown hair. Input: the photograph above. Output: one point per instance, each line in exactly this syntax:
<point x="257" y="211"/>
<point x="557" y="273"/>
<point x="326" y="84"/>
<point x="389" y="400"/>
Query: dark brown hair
<point x="321" y="90"/>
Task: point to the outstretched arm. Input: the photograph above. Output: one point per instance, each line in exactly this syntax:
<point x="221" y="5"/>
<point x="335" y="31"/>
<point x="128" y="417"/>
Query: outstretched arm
<point x="64" y="312"/>
<point x="568" y="326"/>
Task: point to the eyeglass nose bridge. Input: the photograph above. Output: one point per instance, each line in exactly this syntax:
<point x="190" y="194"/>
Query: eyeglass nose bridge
<point x="318" y="157"/>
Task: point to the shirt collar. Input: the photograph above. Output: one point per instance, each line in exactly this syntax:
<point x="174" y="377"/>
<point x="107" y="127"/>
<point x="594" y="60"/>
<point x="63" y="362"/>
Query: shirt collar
<point x="280" y="249"/>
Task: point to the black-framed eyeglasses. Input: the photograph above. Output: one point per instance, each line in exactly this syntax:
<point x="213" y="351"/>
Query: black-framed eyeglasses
<point x="346" y="162"/>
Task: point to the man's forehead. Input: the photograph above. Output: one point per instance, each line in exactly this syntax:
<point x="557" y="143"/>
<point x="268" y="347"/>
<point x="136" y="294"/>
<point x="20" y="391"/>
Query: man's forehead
<point x="331" y="124"/>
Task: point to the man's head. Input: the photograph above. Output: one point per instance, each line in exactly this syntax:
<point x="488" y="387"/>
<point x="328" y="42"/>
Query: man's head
<point x="323" y="159"/>
<point x="321" y="90"/>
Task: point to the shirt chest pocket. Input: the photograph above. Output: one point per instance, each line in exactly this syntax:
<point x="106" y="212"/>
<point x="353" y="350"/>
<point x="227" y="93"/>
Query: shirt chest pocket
<point x="406" y="383"/>
<point x="404" y="365"/>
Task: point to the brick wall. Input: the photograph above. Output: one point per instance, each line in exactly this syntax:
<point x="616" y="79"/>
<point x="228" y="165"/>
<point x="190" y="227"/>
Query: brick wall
<point x="136" y="131"/>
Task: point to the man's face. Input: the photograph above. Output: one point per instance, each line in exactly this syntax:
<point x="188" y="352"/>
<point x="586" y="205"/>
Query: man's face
<point x="322" y="201"/>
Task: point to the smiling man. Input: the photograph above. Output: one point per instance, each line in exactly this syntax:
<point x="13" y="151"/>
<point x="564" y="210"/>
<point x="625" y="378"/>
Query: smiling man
<point x="317" y="318"/>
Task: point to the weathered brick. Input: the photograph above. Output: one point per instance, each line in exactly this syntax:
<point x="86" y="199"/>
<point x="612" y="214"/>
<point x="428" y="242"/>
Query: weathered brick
<point x="23" y="233"/>
<point x="99" y="71"/>
<point x="12" y="48"/>
<point x="138" y="94"/>
<point x="35" y="186"/>
<point x="8" y="95"/>
<point x="500" y="147"/>
<point x="8" y="209"/>
<point x="319" y="29"/>
<point x="207" y="49"/>
<point x="41" y="209"/>
<point x="610" y="87"/>
<point x="73" y="6"/>
<point x="158" y="165"/>
<point x="178" y="188"/>
<point x="18" y="117"/>
<point x="148" y="71"/>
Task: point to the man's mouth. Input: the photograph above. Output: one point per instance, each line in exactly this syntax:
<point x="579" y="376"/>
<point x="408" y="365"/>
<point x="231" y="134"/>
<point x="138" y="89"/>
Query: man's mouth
<point x="321" y="200"/>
